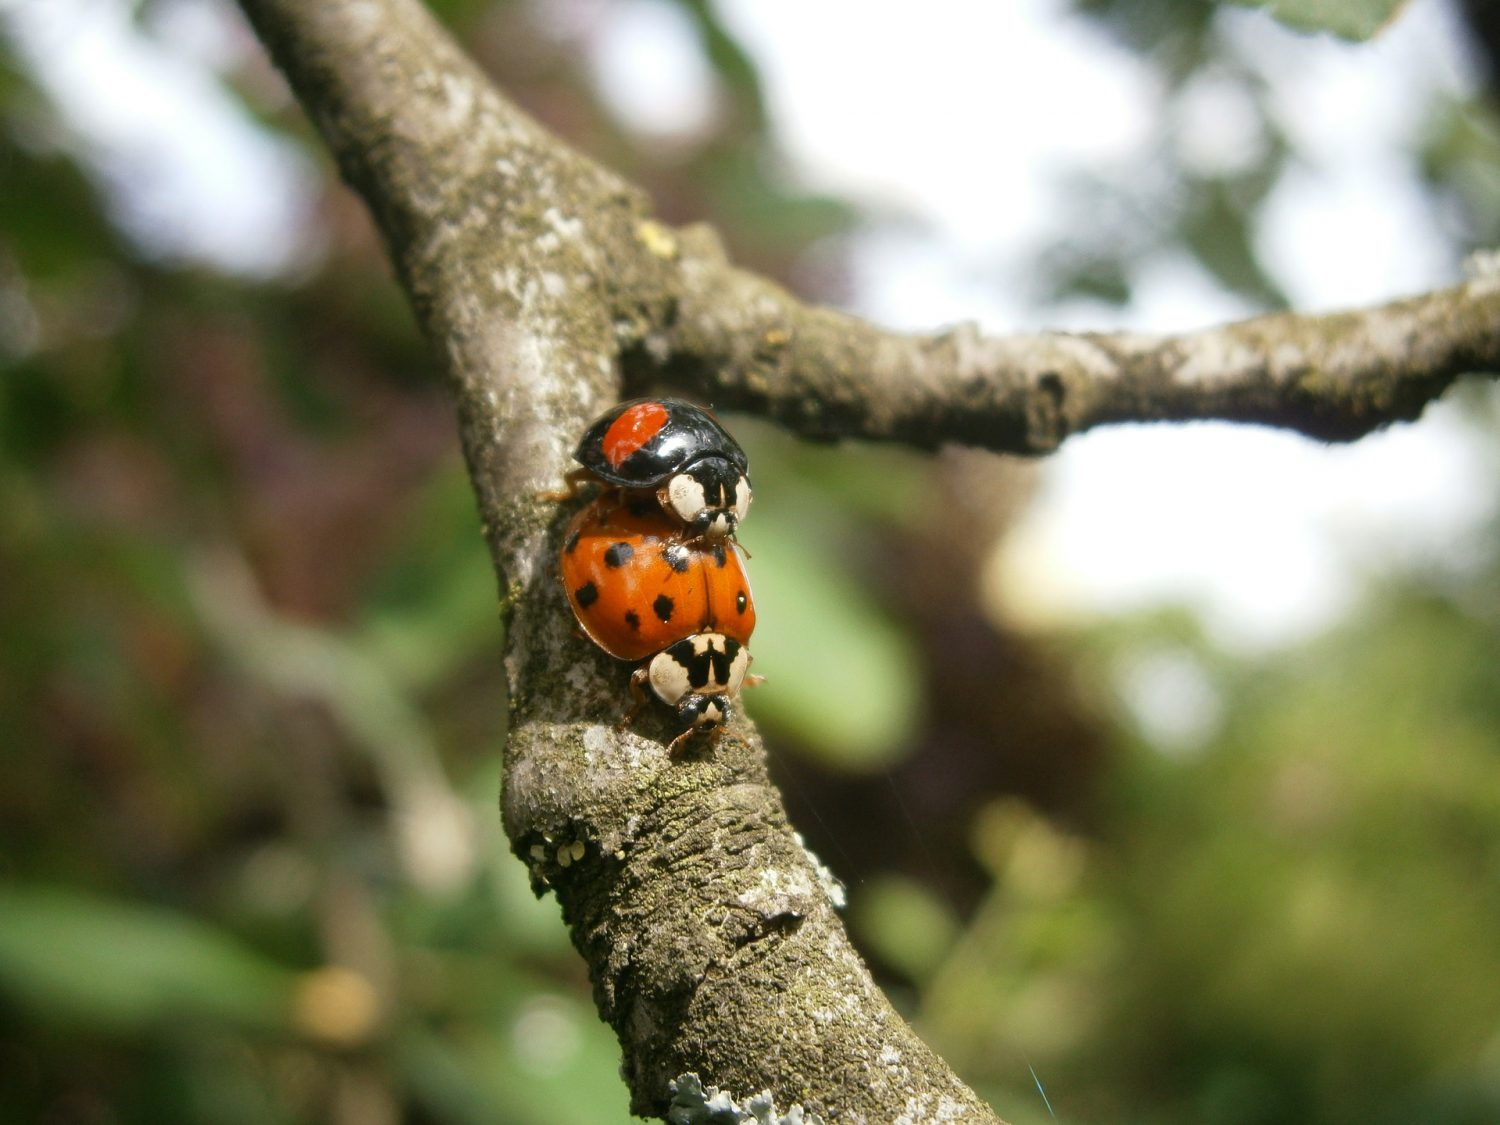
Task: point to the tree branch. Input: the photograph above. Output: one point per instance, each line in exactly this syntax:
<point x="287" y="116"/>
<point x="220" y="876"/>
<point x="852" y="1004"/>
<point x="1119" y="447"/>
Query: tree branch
<point x="709" y="930"/>
<point x="748" y="344"/>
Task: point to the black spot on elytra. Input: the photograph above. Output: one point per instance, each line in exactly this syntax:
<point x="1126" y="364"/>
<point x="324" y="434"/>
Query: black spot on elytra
<point x="677" y="557"/>
<point x="721" y="555"/>
<point x="741" y="602"/>
<point x="633" y="619"/>
<point x="641" y="505"/>
<point x="618" y="554"/>
<point x="586" y="595"/>
<point x="663" y="607"/>
<point x="571" y="543"/>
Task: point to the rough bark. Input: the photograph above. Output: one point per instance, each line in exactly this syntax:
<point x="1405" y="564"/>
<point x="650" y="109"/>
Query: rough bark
<point x="547" y="289"/>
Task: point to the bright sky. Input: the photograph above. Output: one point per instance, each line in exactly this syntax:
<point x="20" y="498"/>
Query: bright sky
<point x="958" y="123"/>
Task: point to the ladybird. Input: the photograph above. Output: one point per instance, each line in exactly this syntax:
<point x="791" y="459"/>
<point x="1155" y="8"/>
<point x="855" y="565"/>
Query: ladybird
<point x="699" y="676"/>
<point x="642" y="591"/>
<point x="698" y="472"/>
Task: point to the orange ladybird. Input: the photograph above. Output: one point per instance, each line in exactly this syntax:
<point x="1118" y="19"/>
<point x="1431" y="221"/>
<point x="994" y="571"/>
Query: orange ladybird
<point x="642" y="591"/>
<point x="638" y="586"/>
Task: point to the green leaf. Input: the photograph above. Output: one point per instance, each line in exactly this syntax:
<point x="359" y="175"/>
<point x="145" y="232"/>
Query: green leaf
<point x="82" y="958"/>
<point x="1348" y="19"/>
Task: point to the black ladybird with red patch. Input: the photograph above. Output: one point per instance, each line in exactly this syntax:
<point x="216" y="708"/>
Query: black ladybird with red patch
<point x="698" y="472"/>
<point x="644" y="593"/>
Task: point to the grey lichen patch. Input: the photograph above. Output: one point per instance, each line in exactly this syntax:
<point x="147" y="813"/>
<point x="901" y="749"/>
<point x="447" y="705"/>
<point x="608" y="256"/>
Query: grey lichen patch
<point x="780" y="892"/>
<point x="693" y="1105"/>
<point x="830" y="883"/>
<point x="1216" y="358"/>
<point x="558" y="772"/>
<point x="932" y="1109"/>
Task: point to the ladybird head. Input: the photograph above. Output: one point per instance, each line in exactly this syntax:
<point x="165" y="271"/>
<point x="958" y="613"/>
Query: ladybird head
<point x="703" y="713"/>
<point x="698" y="677"/>
<point x="710" y="496"/>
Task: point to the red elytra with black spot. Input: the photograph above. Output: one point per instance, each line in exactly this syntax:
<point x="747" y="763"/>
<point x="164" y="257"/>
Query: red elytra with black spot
<point x="639" y="444"/>
<point x="627" y="434"/>
<point x="638" y="586"/>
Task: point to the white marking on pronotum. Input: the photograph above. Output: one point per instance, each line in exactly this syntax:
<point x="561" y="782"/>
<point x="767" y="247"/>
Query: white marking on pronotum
<point x="669" y="678"/>
<point x="737" y="669"/>
<point x="686" y="497"/>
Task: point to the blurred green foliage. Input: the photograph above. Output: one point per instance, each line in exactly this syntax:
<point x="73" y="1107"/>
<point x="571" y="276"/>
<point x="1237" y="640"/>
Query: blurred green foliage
<point x="251" y="702"/>
<point x="1293" y="923"/>
<point x="1352" y="19"/>
<point x="846" y="678"/>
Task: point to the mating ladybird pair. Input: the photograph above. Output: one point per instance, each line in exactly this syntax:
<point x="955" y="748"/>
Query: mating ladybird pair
<point x="650" y="565"/>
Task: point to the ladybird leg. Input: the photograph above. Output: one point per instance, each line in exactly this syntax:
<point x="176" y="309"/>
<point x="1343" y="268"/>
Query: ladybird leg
<point x="637" y="684"/>
<point x="614" y="496"/>
<point x="681" y="738"/>
<point x="638" y="693"/>
<point x="713" y="734"/>
<point x="572" y="482"/>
